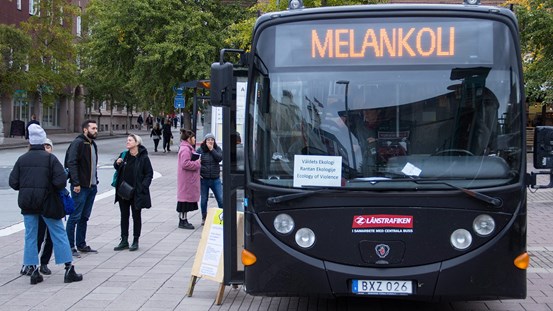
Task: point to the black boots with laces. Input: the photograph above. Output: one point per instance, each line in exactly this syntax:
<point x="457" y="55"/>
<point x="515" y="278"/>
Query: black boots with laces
<point x="36" y="277"/>
<point x="71" y="275"/>
<point x="184" y="224"/>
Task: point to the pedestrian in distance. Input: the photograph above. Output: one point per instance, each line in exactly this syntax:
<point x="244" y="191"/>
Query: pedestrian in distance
<point x="81" y="159"/>
<point x="211" y="156"/>
<point x="149" y="122"/>
<point x="32" y="121"/>
<point x="38" y="176"/>
<point x="156" y="134"/>
<point x="135" y="169"/>
<point x="188" y="178"/>
<point x="140" y="120"/>
<point x="167" y="135"/>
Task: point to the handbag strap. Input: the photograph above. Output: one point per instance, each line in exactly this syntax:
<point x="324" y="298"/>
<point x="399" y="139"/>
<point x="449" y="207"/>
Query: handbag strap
<point x="123" y="156"/>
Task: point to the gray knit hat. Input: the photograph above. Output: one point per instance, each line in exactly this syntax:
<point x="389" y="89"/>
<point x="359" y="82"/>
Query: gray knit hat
<point x="37" y="135"/>
<point x="48" y="141"/>
<point x="209" y="135"/>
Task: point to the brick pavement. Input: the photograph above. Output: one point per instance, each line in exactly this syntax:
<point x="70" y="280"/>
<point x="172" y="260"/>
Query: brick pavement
<point x="157" y="275"/>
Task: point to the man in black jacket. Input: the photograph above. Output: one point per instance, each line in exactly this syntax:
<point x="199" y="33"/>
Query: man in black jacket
<point x="82" y="159"/>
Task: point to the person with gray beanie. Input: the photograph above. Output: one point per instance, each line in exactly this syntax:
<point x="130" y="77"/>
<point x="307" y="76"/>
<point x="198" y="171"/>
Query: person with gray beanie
<point x="210" y="172"/>
<point x="38" y="176"/>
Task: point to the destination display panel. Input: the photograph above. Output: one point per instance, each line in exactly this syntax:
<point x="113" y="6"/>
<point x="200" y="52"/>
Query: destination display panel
<point x="383" y="42"/>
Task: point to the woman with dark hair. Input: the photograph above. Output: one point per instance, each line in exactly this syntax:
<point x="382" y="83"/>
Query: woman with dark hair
<point x="211" y="157"/>
<point x="134" y="168"/>
<point x="188" y="178"/>
<point x="156" y="134"/>
<point x="167" y="136"/>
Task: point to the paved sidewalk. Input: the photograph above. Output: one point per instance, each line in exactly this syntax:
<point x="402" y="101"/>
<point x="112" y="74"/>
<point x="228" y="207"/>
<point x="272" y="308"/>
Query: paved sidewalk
<point x="156" y="277"/>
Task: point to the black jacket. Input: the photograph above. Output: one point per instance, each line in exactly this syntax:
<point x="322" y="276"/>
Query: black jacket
<point x="143" y="173"/>
<point x="210" y="161"/>
<point x="78" y="160"/>
<point x="35" y="174"/>
<point x="166" y="129"/>
<point x="156" y="132"/>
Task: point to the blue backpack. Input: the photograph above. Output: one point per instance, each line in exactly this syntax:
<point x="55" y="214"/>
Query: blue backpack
<point x="67" y="200"/>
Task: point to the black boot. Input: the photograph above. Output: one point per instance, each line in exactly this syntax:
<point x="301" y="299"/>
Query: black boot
<point x="181" y="223"/>
<point x="134" y="245"/>
<point x="124" y="244"/>
<point x="45" y="270"/>
<point x="71" y="275"/>
<point x="36" y="277"/>
<point x="203" y="218"/>
<point x="26" y="270"/>
<point x="187" y="225"/>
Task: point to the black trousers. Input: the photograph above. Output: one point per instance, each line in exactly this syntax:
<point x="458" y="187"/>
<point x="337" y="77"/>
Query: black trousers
<point x="126" y="208"/>
<point x="43" y="235"/>
<point x="166" y="143"/>
<point x="156" y="143"/>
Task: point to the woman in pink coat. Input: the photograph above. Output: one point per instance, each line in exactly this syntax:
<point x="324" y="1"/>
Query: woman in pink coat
<point x="188" y="178"/>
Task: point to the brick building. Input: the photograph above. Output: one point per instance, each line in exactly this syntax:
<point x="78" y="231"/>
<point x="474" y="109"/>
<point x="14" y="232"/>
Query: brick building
<point x="68" y="112"/>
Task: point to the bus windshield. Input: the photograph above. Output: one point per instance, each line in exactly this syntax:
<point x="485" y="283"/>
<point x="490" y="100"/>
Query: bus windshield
<point x="374" y="102"/>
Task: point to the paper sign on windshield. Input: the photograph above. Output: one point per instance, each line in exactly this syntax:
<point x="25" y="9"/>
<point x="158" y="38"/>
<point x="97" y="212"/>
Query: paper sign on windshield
<point x="312" y="170"/>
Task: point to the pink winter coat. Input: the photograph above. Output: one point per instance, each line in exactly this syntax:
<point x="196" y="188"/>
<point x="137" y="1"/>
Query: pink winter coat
<point x="188" y="175"/>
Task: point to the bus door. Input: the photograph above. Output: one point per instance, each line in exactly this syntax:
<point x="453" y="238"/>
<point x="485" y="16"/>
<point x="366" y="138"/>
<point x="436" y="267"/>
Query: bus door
<point x="224" y="79"/>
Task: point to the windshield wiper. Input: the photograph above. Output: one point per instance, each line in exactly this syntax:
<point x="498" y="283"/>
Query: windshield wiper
<point x="477" y="195"/>
<point x="293" y="196"/>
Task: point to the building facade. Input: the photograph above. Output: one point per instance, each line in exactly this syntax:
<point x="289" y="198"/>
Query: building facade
<point x="68" y="111"/>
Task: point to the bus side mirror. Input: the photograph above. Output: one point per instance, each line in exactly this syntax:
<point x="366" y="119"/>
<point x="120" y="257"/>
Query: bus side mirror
<point x="543" y="147"/>
<point x="221" y="84"/>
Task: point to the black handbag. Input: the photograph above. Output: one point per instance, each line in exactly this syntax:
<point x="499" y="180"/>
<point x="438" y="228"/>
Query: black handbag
<point x="125" y="191"/>
<point x="53" y="205"/>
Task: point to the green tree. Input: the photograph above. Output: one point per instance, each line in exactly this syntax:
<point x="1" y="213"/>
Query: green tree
<point x="52" y="58"/>
<point x="240" y="32"/>
<point x="536" y="29"/>
<point x="146" y="47"/>
<point x="14" y="49"/>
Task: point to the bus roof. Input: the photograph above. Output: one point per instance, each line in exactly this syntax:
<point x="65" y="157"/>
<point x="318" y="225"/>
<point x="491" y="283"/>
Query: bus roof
<point x="397" y="8"/>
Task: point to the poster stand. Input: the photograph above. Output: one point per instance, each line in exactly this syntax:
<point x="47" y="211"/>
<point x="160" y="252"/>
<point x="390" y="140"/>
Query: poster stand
<point x="208" y="262"/>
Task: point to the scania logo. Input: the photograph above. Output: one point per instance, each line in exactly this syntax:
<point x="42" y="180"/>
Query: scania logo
<point x="382" y="250"/>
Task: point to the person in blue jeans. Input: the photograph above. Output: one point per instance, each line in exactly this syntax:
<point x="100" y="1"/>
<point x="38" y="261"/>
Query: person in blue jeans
<point x="37" y="175"/>
<point x="211" y="157"/>
<point x="81" y="160"/>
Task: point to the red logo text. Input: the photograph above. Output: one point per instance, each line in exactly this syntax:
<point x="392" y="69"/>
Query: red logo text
<point x="382" y="221"/>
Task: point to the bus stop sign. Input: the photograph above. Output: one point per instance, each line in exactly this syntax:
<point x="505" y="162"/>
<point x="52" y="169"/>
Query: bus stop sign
<point x="179" y="102"/>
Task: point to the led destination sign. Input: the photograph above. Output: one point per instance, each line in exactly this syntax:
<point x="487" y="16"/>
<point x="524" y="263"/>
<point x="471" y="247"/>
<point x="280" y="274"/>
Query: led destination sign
<point x="381" y="42"/>
<point x="377" y="43"/>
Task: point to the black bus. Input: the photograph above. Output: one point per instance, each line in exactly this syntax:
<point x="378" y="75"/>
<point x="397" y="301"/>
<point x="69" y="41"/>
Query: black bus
<point x="384" y="151"/>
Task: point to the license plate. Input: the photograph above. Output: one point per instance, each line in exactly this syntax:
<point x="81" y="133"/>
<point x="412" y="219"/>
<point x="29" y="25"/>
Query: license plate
<point x="382" y="287"/>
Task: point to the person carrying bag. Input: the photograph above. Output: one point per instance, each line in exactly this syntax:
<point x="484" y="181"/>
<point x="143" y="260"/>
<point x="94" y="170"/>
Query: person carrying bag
<point x="38" y="176"/>
<point x="132" y="191"/>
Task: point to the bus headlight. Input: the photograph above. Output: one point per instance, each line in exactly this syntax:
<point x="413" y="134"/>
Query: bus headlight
<point x="483" y="225"/>
<point x="283" y="223"/>
<point x="461" y="239"/>
<point x="305" y="237"/>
